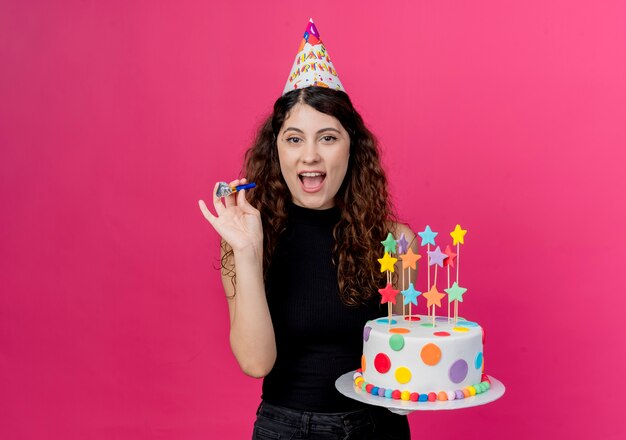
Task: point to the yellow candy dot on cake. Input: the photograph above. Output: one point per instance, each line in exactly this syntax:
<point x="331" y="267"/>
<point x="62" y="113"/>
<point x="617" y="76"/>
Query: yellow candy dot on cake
<point x="442" y="395"/>
<point x="358" y="381"/>
<point x="403" y="374"/>
<point x="405" y="395"/>
<point x="472" y="390"/>
<point x="460" y="329"/>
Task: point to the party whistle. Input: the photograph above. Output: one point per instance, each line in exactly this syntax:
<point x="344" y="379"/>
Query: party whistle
<point x="224" y="189"/>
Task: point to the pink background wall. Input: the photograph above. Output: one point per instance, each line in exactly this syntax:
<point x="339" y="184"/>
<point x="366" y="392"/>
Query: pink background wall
<point x="116" y="117"/>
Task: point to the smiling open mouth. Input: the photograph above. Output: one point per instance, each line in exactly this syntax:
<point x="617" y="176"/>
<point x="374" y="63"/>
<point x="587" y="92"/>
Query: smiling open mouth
<point x="312" y="180"/>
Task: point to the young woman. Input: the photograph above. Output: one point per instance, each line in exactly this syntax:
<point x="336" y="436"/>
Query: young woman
<point x="299" y="265"/>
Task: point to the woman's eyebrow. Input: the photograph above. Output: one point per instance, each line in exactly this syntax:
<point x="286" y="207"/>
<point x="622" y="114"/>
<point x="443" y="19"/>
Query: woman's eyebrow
<point x="318" y="131"/>
<point x="293" y="129"/>
<point x="328" y="129"/>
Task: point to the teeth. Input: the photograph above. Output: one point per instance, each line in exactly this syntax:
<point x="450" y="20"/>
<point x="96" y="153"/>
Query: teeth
<point x="311" y="174"/>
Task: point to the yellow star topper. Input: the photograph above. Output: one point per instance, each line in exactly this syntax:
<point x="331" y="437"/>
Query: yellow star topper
<point x="387" y="263"/>
<point x="458" y="234"/>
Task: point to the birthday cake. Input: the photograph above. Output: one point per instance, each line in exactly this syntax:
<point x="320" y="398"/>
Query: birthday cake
<point x="422" y="357"/>
<point x="409" y="359"/>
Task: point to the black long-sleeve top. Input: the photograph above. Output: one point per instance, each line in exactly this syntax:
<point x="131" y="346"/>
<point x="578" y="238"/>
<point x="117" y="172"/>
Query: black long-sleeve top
<point x="318" y="338"/>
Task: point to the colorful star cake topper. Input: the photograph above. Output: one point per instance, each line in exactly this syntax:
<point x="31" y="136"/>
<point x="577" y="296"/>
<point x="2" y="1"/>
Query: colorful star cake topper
<point x="388" y="294"/>
<point x="436" y="257"/>
<point x="433" y="296"/>
<point x="410" y="295"/>
<point x="390" y="244"/>
<point x="409" y="259"/>
<point x="387" y="262"/>
<point x="402" y="244"/>
<point x="455" y="293"/>
<point x="458" y="234"/>
<point x="312" y="66"/>
<point x="428" y="236"/>
<point x="449" y="261"/>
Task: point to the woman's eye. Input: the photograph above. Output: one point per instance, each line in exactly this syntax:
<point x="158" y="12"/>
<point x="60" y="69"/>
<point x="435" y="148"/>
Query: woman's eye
<point x="294" y="140"/>
<point x="329" y="138"/>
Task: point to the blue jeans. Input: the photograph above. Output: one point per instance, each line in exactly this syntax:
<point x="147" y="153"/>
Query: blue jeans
<point x="276" y="422"/>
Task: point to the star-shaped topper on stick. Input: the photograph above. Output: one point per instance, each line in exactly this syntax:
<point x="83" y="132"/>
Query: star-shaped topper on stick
<point x="455" y="293"/>
<point x="410" y="295"/>
<point x="387" y="263"/>
<point x="458" y="235"/>
<point x="409" y="259"/>
<point x="390" y="244"/>
<point x="403" y="245"/>
<point x="436" y="257"/>
<point x="450" y="256"/>
<point x="433" y="296"/>
<point x="388" y="294"/>
<point x="428" y="236"/>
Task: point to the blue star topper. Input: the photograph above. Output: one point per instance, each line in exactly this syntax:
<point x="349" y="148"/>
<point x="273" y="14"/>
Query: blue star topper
<point x="428" y="236"/>
<point x="410" y="295"/>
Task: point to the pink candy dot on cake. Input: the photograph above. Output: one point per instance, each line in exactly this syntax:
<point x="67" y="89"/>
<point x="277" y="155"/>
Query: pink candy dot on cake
<point x="369" y="387"/>
<point x="441" y="334"/>
<point x="414" y="396"/>
<point x="396" y="394"/>
<point x="432" y="397"/>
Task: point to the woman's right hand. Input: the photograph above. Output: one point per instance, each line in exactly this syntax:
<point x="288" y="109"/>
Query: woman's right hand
<point x="237" y="222"/>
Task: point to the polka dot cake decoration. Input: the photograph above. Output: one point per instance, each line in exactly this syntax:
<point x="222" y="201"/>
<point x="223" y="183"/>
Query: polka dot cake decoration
<point x="421" y="360"/>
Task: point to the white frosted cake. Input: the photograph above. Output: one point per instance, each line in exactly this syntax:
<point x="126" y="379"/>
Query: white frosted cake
<point x="409" y="359"/>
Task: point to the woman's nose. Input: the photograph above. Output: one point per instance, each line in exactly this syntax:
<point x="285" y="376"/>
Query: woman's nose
<point x="310" y="153"/>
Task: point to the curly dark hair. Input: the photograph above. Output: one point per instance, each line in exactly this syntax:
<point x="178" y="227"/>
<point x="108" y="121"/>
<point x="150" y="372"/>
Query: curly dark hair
<point x="366" y="209"/>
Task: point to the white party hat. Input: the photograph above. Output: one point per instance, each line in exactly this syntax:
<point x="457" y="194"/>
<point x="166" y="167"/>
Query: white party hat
<point x="312" y="66"/>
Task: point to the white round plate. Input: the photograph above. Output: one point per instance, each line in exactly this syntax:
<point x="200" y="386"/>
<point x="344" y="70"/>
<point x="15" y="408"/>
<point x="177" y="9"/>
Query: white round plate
<point x="345" y="385"/>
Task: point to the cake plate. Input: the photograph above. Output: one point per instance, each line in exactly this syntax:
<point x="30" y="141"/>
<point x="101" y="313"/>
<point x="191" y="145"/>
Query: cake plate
<point x="345" y="385"/>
